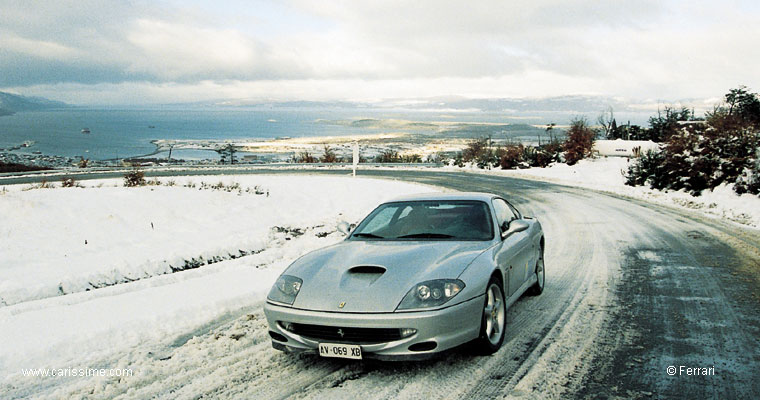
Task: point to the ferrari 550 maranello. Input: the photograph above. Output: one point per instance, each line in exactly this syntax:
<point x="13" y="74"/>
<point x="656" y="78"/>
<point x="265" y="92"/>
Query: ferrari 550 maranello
<point x="418" y="276"/>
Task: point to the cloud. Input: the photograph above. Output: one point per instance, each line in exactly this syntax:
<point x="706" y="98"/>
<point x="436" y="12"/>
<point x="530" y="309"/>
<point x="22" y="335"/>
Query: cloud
<point x="349" y="49"/>
<point x="172" y="51"/>
<point x="37" y="48"/>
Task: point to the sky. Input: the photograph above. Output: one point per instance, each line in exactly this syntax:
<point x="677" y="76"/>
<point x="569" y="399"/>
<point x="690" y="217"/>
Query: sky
<point x="173" y="51"/>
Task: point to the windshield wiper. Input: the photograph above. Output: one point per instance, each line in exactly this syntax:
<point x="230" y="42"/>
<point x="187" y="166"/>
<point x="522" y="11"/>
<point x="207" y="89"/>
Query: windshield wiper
<point x="367" y="235"/>
<point x="426" y="235"/>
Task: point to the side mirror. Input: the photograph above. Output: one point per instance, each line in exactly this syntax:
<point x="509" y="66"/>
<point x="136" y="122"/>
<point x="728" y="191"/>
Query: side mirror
<point x="344" y="228"/>
<point x="517" y="225"/>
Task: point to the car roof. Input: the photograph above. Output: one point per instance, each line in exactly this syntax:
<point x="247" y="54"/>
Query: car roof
<point x="446" y="196"/>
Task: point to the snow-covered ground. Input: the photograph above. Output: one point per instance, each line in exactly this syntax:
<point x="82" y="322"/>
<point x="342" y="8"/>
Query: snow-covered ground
<point x="607" y="174"/>
<point x="89" y="272"/>
<point x="201" y="332"/>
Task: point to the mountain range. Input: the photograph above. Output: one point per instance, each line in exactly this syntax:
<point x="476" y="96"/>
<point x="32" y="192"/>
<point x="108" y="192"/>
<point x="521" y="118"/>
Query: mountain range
<point x="568" y="104"/>
<point x="11" y="103"/>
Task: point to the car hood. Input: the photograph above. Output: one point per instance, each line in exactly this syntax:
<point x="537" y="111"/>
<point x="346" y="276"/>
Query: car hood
<point x="373" y="276"/>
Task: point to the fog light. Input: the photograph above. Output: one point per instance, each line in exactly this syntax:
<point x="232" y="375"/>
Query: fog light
<point x="406" y="332"/>
<point x="287" y="326"/>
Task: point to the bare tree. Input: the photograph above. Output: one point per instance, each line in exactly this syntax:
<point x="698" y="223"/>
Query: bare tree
<point x="607" y="121"/>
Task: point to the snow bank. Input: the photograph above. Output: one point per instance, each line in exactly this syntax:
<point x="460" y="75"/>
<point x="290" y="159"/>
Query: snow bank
<point x="134" y="237"/>
<point x="607" y="174"/>
<point x="68" y="240"/>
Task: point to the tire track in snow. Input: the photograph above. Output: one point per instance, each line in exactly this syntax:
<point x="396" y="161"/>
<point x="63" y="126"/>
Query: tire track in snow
<point x="531" y="317"/>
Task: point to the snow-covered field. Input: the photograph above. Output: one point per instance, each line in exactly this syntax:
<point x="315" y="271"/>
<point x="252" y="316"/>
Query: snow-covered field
<point x="607" y="174"/>
<point x="89" y="272"/>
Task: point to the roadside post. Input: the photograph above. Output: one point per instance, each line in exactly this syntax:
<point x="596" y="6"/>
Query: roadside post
<point x="356" y="158"/>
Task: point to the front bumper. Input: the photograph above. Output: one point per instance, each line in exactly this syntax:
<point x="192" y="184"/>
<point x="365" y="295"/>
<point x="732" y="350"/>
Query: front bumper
<point x="447" y="328"/>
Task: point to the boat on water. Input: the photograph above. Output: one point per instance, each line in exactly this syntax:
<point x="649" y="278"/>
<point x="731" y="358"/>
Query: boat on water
<point x="85" y="130"/>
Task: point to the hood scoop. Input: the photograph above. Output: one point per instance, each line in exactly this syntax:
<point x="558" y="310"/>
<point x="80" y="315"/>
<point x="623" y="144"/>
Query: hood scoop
<point x="367" y="269"/>
<point x="361" y="277"/>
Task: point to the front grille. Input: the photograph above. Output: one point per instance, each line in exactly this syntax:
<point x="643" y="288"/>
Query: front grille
<point x="345" y="334"/>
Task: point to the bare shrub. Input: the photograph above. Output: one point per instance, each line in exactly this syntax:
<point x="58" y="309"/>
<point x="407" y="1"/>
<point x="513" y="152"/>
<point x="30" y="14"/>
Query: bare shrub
<point x="411" y="158"/>
<point x="580" y="140"/>
<point x="305" y="157"/>
<point x="44" y="184"/>
<point x="329" y="155"/>
<point x="68" y="181"/>
<point x="134" y="178"/>
<point x="512" y="156"/>
<point x="388" y="156"/>
<point x="476" y="149"/>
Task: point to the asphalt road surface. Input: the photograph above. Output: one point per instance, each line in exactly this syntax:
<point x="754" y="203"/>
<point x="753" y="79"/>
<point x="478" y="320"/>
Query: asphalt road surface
<point x="641" y="301"/>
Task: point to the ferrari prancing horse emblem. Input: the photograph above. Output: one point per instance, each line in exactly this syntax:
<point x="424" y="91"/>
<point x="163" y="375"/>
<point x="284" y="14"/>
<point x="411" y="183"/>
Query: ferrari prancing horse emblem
<point x="342" y="304"/>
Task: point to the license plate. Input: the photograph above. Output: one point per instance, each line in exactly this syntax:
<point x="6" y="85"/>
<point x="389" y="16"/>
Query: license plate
<point x="339" y="350"/>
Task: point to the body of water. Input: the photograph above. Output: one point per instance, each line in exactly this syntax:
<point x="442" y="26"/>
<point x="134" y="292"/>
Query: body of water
<point x="123" y="133"/>
<point x="128" y="133"/>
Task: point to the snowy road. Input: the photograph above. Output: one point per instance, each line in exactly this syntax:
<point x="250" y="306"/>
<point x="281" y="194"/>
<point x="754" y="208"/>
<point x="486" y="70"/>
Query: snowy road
<point x="632" y="289"/>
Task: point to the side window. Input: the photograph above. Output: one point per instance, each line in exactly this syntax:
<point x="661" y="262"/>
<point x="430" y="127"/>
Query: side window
<point x="504" y="213"/>
<point x="514" y="210"/>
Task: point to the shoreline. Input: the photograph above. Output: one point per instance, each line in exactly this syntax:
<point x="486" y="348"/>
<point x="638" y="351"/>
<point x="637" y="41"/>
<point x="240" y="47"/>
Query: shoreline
<point x="406" y="138"/>
<point x="284" y="148"/>
<point x="255" y="151"/>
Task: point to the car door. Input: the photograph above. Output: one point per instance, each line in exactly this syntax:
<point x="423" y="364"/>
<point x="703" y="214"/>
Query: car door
<point x="514" y="250"/>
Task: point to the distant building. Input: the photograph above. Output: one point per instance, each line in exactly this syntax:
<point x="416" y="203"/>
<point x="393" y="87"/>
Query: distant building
<point x="624" y="148"/>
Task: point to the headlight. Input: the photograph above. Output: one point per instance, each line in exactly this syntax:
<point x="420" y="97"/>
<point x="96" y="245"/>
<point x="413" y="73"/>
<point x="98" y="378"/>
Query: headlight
<point x="431" y="294"/>
<point x="285" y="289"/>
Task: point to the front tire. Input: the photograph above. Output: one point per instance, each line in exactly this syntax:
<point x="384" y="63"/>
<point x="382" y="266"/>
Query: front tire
<point x="494" y="319"/>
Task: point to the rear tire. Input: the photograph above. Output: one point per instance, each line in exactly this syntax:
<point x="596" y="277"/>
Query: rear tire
<point x="538" y="287"/>
<point x="494" y="319"/>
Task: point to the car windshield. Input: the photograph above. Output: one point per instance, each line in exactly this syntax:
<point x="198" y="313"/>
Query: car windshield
<point x="427" y="220"/>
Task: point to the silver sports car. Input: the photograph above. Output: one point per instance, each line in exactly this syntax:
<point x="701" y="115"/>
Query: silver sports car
<point x="419" y="275"/>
